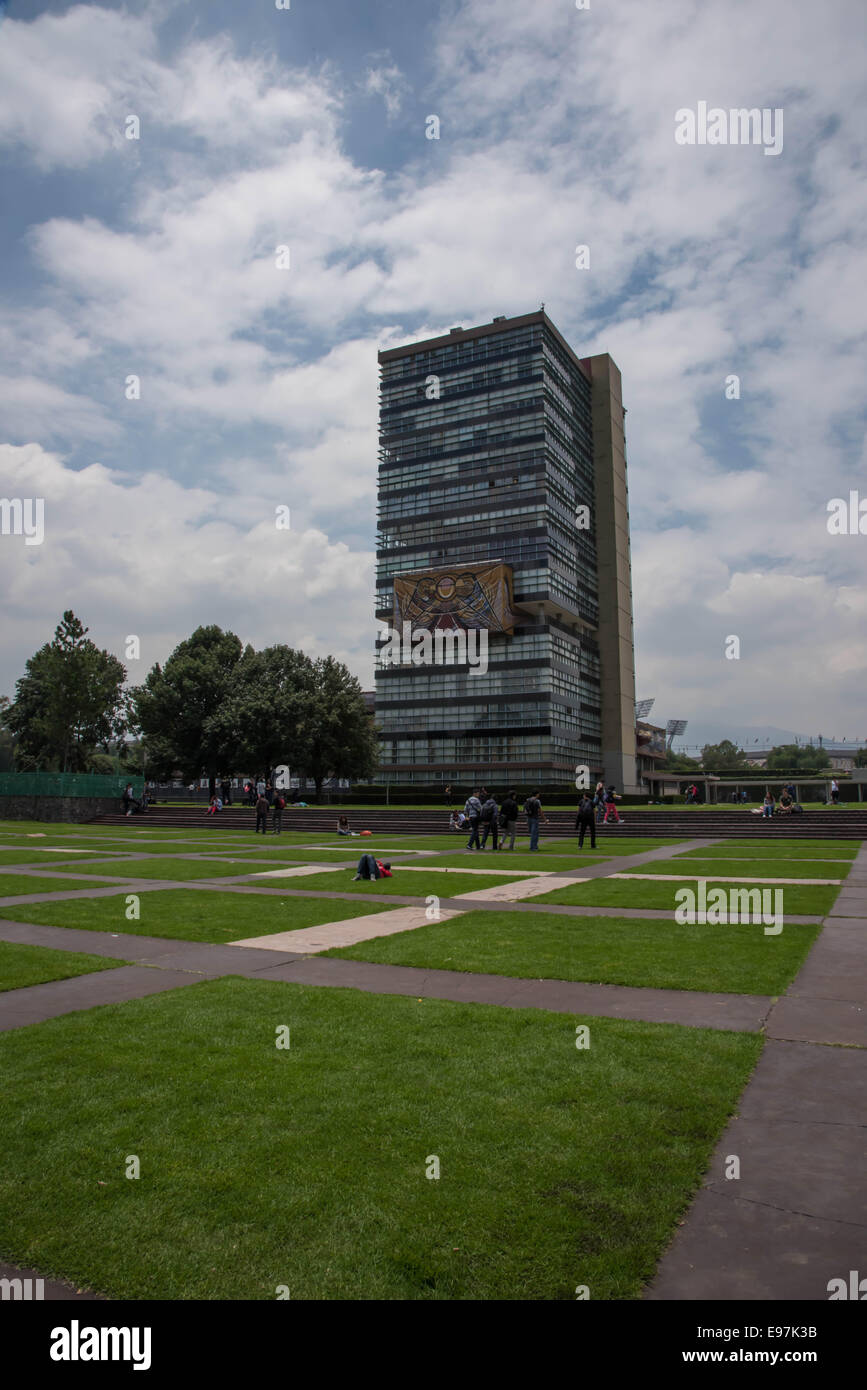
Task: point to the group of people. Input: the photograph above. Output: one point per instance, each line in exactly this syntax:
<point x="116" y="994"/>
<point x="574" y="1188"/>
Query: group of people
<point x="483" y="816"/>
<point x="262" y="787"/>
<point x="275" y="806"/>
<point x="788" y="804"/>
<point x="132" y="804"/>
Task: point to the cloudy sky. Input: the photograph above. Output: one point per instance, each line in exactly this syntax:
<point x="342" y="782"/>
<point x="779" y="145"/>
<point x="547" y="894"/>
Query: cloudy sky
<point x="261" y="127"/>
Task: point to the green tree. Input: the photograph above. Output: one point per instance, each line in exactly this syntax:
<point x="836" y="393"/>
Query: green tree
<point x="176" y="708"/>
<point x="266" y="714"/>
<point x="7" y="738"/>
<point x="723" y="757"/>
<point x="679" y="762"/>
<point x="340" y="740"/>
<point x="797" y="757"/>
<point x="69" y="702"/>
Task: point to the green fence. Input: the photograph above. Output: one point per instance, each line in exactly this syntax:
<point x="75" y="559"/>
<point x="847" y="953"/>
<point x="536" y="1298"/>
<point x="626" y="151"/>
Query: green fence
<point x="65" y="784"/>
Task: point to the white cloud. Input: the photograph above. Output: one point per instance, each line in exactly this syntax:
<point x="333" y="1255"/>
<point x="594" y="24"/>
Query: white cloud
<point x="557" y="128"/>
<point x="138" y="558"/>
<point x="384" y="78"/>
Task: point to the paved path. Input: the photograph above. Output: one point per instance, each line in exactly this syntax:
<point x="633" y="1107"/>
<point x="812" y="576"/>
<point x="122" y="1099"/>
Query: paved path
<point x="797" y="1215"/>
<point x="49" y="1290"/>
<point x="185" y="962"/>
<point x="287" y="956"/>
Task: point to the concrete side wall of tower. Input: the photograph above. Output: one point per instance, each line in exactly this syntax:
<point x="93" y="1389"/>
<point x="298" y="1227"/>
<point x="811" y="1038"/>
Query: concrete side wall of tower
<point x="614" y="569"/>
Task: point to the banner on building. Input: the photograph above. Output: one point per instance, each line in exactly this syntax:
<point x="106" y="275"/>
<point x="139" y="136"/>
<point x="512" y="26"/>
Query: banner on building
<point x="458" y="596"/>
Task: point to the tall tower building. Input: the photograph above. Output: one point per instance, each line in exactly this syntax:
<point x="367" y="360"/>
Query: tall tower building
<point x="503" y="507"/>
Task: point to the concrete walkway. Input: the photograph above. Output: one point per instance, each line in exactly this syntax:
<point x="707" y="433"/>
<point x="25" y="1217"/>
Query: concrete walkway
<point x="186" y="962"/>
<point x="797" y="1215"/>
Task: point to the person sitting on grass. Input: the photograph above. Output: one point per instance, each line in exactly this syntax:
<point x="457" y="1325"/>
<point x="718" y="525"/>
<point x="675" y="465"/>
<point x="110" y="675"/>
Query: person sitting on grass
<point x="369" y="867"/>
<point x="343" y="826"/>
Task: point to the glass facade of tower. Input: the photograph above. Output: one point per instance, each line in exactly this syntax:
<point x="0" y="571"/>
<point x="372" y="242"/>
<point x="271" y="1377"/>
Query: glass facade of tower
<point x="486" y="454"/>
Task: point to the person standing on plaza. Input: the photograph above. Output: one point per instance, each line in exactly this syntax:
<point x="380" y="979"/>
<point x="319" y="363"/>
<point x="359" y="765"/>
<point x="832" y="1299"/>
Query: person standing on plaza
<point x="835" y="791"/>
<point x="599" y="801"/>
<point x="489" y="816"/>
<point x="586" y="820"/>
<point x="262" y="814"/>
<point x="534" y="813"/>
<point x="508" y="819"/>
<point x="277" y="818"/>
<point x="472" y="811"/>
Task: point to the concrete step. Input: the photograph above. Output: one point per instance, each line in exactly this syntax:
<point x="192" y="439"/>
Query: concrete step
<point x="831" y="824"/>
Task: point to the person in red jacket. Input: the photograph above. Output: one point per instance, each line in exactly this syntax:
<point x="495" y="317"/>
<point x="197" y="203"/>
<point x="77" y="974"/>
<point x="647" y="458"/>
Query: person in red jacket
<point x="368" y="867"/>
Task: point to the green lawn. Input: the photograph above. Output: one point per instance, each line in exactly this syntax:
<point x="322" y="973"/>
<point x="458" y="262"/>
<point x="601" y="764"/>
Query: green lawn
<point x="567" y="844"/>
<point x="242" y="845"/>
<point x="176" y="868"/>
<point x="193" y="915"/>
<point x="449" y="883"/>
<point x="610" y="845"/>
<point x="744" y="868"/>
<point x="300" y="854"/>
<point x="35" y="965"/>
<point x="778" y="849"/>
<point x="506" y="859"/>
<point x="11" y="884"/>
<point x="305" y="1167"/>
<point x="41" y="856"/>
<point x="798" y="901"/>
<point x="736" y="959"/>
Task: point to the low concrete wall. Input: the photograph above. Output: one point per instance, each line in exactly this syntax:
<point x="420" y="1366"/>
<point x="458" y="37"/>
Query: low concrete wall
<point x="57" y="808"/>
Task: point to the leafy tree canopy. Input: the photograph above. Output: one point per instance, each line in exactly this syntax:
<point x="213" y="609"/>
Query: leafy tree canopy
<point x="341" y="740"/>
<point x="177" y="704"/>
<point x="69" y="702"/>
<point x="216" y="707"/>
<point x="679" y="762"/>
<point x="723" y="757"/>
<point x="797" y="757"/>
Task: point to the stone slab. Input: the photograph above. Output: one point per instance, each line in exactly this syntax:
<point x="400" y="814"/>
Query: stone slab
<point x="730" y="1012"/>
<point x="36" y="1003"/>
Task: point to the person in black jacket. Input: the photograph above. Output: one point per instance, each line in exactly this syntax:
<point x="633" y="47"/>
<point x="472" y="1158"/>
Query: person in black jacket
<point x="262" y="814"/>
<point x="508" y="819"/>
<point x="489" y="818"/>
<point x="586" y="820"/>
